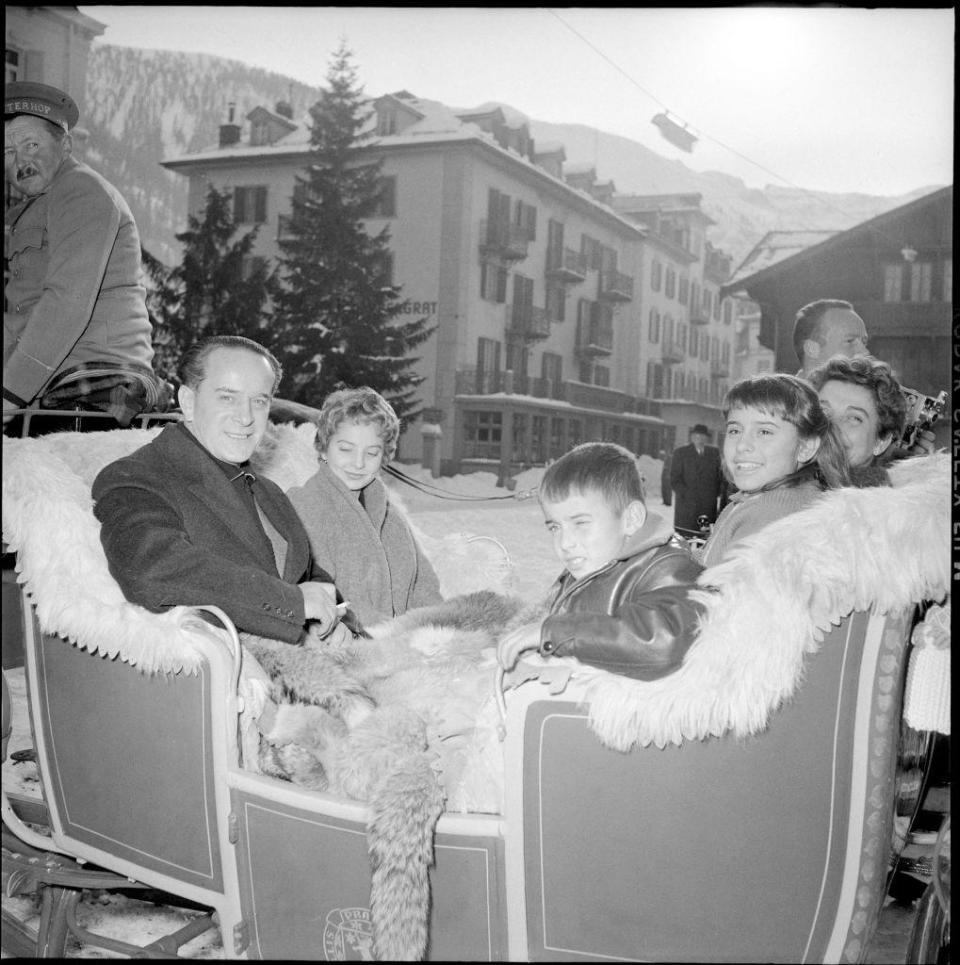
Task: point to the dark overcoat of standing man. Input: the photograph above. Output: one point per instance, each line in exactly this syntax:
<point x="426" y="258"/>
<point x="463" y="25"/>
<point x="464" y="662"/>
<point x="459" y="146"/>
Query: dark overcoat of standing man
<point x="696" y="480"/>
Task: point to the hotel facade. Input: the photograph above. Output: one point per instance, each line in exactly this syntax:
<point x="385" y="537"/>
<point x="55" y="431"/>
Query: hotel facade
<point x="563" y="312"/>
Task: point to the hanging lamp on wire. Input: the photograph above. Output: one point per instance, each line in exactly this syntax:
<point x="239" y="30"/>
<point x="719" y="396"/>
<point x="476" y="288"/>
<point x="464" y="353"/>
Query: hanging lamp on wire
<point x="671" y="131"/>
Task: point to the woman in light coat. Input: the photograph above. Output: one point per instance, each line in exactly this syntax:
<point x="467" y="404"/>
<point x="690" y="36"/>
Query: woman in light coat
<point x="356" y="534"/>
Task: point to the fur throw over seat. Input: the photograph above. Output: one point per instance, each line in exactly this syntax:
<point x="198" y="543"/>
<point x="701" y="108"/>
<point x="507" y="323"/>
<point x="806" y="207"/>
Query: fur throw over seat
<point x="770" y="603"/>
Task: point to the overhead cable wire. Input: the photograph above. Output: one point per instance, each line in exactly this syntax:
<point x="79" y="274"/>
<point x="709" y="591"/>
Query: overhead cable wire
<point x="701" y="133"/>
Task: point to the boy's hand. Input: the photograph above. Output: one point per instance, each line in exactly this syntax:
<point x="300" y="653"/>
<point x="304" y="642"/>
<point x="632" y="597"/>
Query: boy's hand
<point x="515" y="642"/>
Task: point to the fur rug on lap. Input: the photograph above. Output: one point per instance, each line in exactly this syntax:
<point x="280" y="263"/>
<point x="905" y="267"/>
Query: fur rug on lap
<point x="389" y="721"/>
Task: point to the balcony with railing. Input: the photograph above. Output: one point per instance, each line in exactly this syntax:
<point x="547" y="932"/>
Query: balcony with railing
<point x="474" y="382"/>
<point x="672" y="351"/>
<point x="504" y="239"/>
<point x="906" y="318"/>
<point x="615" y="286"/>
<point x="580" y="394"/>
<point x="594" y="333"/>
<point x="566" y="265"/>
<point x="527" y="321"/>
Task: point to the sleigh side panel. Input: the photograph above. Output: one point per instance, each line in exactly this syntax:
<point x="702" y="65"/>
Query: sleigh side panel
<point x="305" y="878"/>
<point x="770" y="848"/>
<point x="133" y="767"/>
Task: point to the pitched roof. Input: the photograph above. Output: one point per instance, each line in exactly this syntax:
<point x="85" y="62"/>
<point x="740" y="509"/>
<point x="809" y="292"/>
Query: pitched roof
<point x="773" y="253"/>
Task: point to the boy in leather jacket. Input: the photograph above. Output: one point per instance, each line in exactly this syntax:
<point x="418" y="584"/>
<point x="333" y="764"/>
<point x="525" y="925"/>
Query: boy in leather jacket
<point x="623" y="602"/>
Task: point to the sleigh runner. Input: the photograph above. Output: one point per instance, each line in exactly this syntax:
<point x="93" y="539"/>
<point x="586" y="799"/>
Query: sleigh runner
<point x="740" y="809"/>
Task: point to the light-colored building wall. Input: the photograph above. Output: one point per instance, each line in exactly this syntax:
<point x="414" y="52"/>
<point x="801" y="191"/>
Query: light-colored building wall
<point x="50" y="45"/>
<point x="443" y="183"/>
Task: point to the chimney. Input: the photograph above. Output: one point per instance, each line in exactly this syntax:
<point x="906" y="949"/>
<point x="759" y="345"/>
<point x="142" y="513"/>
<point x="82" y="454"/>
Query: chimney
<point x="230" y="132"/>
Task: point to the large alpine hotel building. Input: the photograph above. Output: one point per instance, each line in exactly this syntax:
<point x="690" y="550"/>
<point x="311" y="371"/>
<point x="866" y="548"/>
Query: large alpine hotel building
<point x="564" y="312"/>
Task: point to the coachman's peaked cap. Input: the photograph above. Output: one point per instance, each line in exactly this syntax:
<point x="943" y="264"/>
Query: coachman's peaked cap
<point x="41" y="100"/>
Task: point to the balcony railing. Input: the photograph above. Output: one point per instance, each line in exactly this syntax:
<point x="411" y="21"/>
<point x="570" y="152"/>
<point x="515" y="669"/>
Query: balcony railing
<point x="699" y="316"/>
<point x="503" y="238"/>
<point x="615" y="286"/>
<point x="472" y="382"/>
<point x="906" y="318"/>
<point x="672" y="352"/>
<point x="594" y="335"/>
<point x="526" y="321"/>
<point x="566" y="265"/>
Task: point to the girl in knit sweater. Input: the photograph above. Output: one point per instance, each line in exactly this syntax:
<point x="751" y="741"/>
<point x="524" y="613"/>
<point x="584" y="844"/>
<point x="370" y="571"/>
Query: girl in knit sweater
<point x="780" y="452"/>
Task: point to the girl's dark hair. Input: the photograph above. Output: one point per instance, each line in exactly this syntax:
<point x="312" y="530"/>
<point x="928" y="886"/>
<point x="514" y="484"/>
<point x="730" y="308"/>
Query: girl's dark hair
<point x="796" y="402"/>
<point x="193" y="363"/>
<point x="602" y="467"/>
<point x="363" y="405"/>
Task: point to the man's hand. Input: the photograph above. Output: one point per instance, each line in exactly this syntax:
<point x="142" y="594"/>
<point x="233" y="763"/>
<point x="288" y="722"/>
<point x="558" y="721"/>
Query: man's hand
<point x="516" y="642"/>
<point x="319" y="603"/>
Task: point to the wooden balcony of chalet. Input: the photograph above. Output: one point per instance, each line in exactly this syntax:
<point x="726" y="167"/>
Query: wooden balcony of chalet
<point x="889" y="319"/>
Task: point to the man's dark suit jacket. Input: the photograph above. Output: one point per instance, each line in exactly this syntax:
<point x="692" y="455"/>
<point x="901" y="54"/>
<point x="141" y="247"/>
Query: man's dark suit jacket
<point x="176" y="532"/>
<point x="696" y="481"/>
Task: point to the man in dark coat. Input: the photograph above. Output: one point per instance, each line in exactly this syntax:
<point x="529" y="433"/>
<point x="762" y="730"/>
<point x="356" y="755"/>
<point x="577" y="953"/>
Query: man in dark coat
<point x="184" y="521"/>
<point x="697" y="482"/>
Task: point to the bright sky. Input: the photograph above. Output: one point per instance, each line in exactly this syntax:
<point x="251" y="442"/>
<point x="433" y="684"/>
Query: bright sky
<point x="826" y="98"/>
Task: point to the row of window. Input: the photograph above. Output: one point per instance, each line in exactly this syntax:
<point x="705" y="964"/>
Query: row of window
<point x="539" y="438"/>
<point x="919" y="281"/>
<point x="689" y="293"/>
<point x="250" y="202"/>
<point x="517" y="360"/>
<point x="664" y="384"/>
<point x="689" y="339"/>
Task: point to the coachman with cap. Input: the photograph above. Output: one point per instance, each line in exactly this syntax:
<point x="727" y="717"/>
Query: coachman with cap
<point x="75" y="323"/>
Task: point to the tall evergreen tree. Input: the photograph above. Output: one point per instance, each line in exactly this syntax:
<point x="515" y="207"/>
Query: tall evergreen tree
<point x="337" y="320"/>
<point x="214" y="290"/>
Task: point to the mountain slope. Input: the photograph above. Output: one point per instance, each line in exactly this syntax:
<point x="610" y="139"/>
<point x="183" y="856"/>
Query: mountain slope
<point x="147" y="105"/>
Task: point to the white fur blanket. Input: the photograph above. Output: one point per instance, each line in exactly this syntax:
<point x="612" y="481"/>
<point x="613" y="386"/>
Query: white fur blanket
<point x="48" y="522"/>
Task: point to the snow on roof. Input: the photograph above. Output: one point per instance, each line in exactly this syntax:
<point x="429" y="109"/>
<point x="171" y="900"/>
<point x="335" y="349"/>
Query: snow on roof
<point x="777" y="246"/>
<point x="549" y="147"/>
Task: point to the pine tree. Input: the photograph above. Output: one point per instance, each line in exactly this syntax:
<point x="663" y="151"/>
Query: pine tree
<point x="336" y="322"/>
<point x="214" y="290"/>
